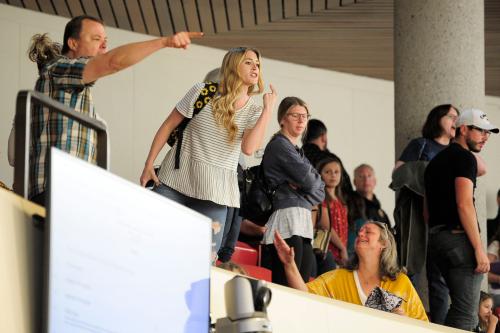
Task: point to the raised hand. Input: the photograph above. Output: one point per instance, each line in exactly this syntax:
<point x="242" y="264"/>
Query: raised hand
<point x="285" y="252"/>
<point x="270" y="98"/>
<point x="492" y="323"/>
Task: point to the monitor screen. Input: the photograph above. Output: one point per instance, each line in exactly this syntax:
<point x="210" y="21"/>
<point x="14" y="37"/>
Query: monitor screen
<point x="122" y="258"/>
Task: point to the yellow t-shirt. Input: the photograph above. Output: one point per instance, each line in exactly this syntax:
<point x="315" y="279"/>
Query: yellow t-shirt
<point x="339" y="284"/>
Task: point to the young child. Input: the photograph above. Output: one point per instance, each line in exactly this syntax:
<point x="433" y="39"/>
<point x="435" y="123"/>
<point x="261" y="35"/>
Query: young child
<point x="487" y="320"/>
<point x="330" y="170"/>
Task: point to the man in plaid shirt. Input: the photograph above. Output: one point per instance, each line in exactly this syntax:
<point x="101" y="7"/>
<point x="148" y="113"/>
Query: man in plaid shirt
<point x="68" y="78"/>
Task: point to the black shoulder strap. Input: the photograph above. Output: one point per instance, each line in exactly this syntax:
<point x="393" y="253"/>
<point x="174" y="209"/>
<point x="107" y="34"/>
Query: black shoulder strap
<point x="420" y="153"/>
<point x="319" y="215"/>
<point x="206" y="95"/>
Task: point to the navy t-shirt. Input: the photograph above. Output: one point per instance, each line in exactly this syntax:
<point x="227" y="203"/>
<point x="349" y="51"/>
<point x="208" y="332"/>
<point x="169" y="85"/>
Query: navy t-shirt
<point x="421" y="149"/>
<point x="454" y="161"/>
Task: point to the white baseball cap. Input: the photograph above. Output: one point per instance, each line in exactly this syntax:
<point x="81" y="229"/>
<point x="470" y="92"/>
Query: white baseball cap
<point x="477" y="118"/>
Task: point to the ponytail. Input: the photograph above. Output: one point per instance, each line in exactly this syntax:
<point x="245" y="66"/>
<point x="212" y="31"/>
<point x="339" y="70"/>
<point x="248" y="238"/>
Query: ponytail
<point x="43" y="50"/>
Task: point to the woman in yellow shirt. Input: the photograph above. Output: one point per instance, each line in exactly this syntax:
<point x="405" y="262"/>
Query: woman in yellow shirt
<point x="374" y="264"/>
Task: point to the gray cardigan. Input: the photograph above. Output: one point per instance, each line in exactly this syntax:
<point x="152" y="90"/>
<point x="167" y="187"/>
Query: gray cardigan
<point x="285" y="164"/>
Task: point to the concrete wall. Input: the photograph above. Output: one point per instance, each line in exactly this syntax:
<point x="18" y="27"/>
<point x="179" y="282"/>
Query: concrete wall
<point x="358" y="111"/>
<point x="492" y="156"/>
<point x="289" y="311"/>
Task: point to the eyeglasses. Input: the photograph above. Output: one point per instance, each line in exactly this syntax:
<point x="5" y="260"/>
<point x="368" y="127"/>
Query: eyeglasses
<point x="296" y="116"/>
<point x="483" y="131"/>
<point x="452" y="117"/>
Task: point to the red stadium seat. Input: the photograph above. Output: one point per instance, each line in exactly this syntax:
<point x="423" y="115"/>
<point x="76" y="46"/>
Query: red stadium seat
<point x="256" y="272"/>
<point x="245" y="254"/>
<point x="496" y="311"/>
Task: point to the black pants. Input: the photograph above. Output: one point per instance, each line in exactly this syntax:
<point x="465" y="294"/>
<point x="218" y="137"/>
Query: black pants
<point x="323" y="265"/>
<point x="39" y="199"/>
<point x="303" y="259"/>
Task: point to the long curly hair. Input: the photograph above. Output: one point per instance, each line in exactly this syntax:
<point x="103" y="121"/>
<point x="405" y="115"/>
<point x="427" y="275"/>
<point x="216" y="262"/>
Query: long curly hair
<point x="230" y="88"/>
<point x="43" y="50"/>
<point x="389" y="266"/>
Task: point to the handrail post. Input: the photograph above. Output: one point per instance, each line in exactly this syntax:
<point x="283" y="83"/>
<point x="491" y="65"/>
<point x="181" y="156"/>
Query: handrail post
<point x="25" y="100"/>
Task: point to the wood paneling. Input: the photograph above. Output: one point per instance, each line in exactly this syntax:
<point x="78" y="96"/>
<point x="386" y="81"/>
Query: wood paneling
<point x="192" y="18"/>
<point x="89" y="7"/>
<point x="247" y="13"/>
<point x="234" y="14"/>
<point x="152" y="24"/>
<point x="261" y="11"/>
<point x="219" y="14"/>
<point x="135" y="16"/>
<point x="17" y="3"/>
<point x="276" y="9"/>
<point x="304" y="7"/>
<point x="61" y="8"/>
<point x="107" y="15"/>
<point x="46" y="7"/>
<point x="205" y="15"/>
<point x="75" y="8"/>
<point x="356" y="37"/>
<point x="177" y="13"/>
<point x="163" y="15"/>
<point x="31" y="4"/>
<point x="121" y="15"/>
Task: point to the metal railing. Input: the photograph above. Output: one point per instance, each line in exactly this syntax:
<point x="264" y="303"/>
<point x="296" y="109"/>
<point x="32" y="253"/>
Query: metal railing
<point x="25" y="100"/>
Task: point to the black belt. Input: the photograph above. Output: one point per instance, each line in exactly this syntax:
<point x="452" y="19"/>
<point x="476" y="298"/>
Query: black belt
<point x="441" y="227"/>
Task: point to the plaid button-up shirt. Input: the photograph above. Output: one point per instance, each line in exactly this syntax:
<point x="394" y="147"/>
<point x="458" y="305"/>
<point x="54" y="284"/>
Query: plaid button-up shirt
<point x="62" y="81"/>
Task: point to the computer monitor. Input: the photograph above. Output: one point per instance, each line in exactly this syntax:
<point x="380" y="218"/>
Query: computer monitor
<point x="121" y="258"/>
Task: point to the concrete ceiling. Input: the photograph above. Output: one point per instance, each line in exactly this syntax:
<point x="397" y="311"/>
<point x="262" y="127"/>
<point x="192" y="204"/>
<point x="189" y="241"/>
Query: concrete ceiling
<point x="343" y="35"/>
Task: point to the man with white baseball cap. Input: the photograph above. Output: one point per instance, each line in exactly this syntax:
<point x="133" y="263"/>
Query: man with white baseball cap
<point x="454" y="239"/>
<point x="476" y="118"/>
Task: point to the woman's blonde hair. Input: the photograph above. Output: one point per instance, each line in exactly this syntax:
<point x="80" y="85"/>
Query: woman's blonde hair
<point x="230" y="87"/>
<point x="389" y="266"/>
<point x="43" y="50"/>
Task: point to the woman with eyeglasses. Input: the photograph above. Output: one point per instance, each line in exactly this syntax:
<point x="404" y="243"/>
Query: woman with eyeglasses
<point x="373" y="265"/>
<point x="297" y="188"/>
<point x="203" y="175"/>
<point x="437" y="132"/>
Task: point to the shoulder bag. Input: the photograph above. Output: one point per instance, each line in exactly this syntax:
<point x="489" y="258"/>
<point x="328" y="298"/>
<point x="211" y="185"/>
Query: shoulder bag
<point x="321" y="236"/>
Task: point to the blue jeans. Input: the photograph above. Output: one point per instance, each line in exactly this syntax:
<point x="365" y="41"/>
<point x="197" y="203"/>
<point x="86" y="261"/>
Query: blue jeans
<point x="231" y="233"/>
<point x="438" y="292"/>
<point x="455" y="258"/>
<point x="208" y="208"/>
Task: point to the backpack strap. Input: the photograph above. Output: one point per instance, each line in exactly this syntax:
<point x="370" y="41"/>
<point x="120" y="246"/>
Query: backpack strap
<point x="206" y="95"/>
<point x="421" y="152"/>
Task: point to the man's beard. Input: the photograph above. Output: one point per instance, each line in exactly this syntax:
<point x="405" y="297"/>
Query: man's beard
<point x="473" y="146"/>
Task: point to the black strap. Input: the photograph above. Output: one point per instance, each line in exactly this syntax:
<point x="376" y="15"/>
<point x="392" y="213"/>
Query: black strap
<point x="422" y="150"/>
<point x="320" y="214"/>
<point x="329" y="214"/>
<point x="206" y="95"/>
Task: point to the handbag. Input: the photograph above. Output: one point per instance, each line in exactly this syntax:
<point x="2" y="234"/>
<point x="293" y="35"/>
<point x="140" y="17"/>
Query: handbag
<point x="206" y="95"/>
<point x="381" y="299"/>
<point x="321" y="236"/>
<point x="257" y="196"/>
